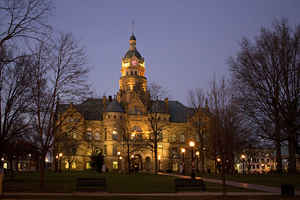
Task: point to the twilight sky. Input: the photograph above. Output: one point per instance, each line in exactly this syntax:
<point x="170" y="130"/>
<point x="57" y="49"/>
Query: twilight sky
<point x="185" y="43"/>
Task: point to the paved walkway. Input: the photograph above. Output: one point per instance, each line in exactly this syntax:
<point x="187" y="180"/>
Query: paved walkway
<point x="263" y="188"/>
<point x="106" y="194"/>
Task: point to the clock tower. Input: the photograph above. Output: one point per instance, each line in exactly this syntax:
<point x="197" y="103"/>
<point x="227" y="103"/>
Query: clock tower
<point x="133" y="70"/>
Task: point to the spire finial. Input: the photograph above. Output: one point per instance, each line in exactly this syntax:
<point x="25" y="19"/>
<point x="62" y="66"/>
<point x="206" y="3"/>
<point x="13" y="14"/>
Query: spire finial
<point x="132" y="27"/>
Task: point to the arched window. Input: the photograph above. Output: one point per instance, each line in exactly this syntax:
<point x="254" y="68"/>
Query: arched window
<point x="97" y="136"/>
<point x="114" y="135"/>
<point x="182" y="138"/>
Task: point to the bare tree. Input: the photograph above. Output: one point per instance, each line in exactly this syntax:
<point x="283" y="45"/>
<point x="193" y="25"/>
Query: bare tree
<point x="15" y="99"/>
<point x="156" y="119"/>
<point x="26" y="19"/>
<point x="266" y="73"/>
<point x="130" y="139"/>
<point x="198" y="120"/>
<point x="225" y="130"/>
<point x="60" y="74"/>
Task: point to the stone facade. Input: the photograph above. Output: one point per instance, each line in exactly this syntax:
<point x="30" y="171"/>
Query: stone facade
<point x="94" y="125"/>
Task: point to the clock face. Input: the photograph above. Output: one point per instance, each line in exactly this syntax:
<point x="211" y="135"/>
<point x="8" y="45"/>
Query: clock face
<point x="134" y="62"/>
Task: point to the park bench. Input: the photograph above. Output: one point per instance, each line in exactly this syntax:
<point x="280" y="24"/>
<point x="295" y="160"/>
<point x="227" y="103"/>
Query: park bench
<point x="189" y="185"/>
<point x="287" y="190"/>
<point x="91" y="184"/>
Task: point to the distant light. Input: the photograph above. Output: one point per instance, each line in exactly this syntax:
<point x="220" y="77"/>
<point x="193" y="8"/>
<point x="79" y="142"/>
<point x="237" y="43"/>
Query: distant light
<point x="118" y="153"/>
<point x="2" y="159"/>
<point x="192" y="143"/>
<point x="218" y="159"/>
<point x="60" y="154"/>
<point x="182" y="150"/>
<point x="197" y="153"/>
<point x="158" y="157"/>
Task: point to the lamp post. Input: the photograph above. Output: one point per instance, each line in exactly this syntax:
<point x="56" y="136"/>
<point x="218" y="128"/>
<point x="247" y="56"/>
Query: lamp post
<point x="192" y="144"/>
<point x="219" y="164"/>
<point x="182" y="151"/>
<point x="197" y="163"/>
<point x="60" y="155"/>
<point x="158" y="162"/>
<point x="118" y="154"/>
<point x="243" y="160"/>
<point x="56" y="163"/>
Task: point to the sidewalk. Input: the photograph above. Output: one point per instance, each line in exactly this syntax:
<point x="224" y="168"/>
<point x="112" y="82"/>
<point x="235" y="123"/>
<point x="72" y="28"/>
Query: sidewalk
<point x="274" y="190"/>
<point x="106" y="194"/>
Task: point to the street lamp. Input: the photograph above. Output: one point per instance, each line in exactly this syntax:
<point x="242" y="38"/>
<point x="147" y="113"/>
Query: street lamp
<point x="60" y="155"/>
<point x="56" y="163"/>
<point x="192" y="144"/>
<point x="219" y="164"/>
<point x="243" y="160"/>
<point x="118" y="154"/>
<point x="197" y="156"/>
<point x="158" y="162"/>
<point x="182" y="151"/>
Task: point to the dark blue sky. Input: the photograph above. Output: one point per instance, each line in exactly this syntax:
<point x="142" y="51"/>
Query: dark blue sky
<point x="185" y="43"/>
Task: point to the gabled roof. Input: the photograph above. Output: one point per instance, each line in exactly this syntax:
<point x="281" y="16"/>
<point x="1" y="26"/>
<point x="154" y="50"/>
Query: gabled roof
<point x="114" y="106"/>
<point x="159" y="106"/>
<point x="91" y="109"/>
<point x="178" y="112"/>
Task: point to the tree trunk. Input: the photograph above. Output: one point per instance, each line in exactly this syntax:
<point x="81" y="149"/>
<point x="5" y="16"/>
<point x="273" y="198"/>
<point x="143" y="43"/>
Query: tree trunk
<point x="292" y="153"/>
<point x="223" y="172"/>
<point x="278" y="156"/>
<point x="155" y="156"/>
<point x="128" y="159"/>
<point x="42" y="171"/>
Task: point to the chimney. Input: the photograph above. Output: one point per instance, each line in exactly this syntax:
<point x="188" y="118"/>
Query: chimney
<point x="104" y="101"/>
<point x="167" y="104"/>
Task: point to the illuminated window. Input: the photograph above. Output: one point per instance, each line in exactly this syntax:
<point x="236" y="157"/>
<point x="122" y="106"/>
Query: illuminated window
<point x="74" y="135"/>
<point x="67" y="165"/>
<point x="115" y="165"/>
<point x="73" y="165"/>
<point x="5" y="165"/>
<point x="88" y="165"/>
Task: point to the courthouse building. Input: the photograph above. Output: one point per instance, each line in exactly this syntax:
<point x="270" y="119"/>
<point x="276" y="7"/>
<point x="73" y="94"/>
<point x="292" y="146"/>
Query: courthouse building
<point x="97" y="122"/>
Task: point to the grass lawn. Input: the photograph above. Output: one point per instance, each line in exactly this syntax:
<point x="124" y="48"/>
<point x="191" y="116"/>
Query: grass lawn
<point x="270" y="180"/>
<point x="116" y="183"/>
<point x="157" y="198"/>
